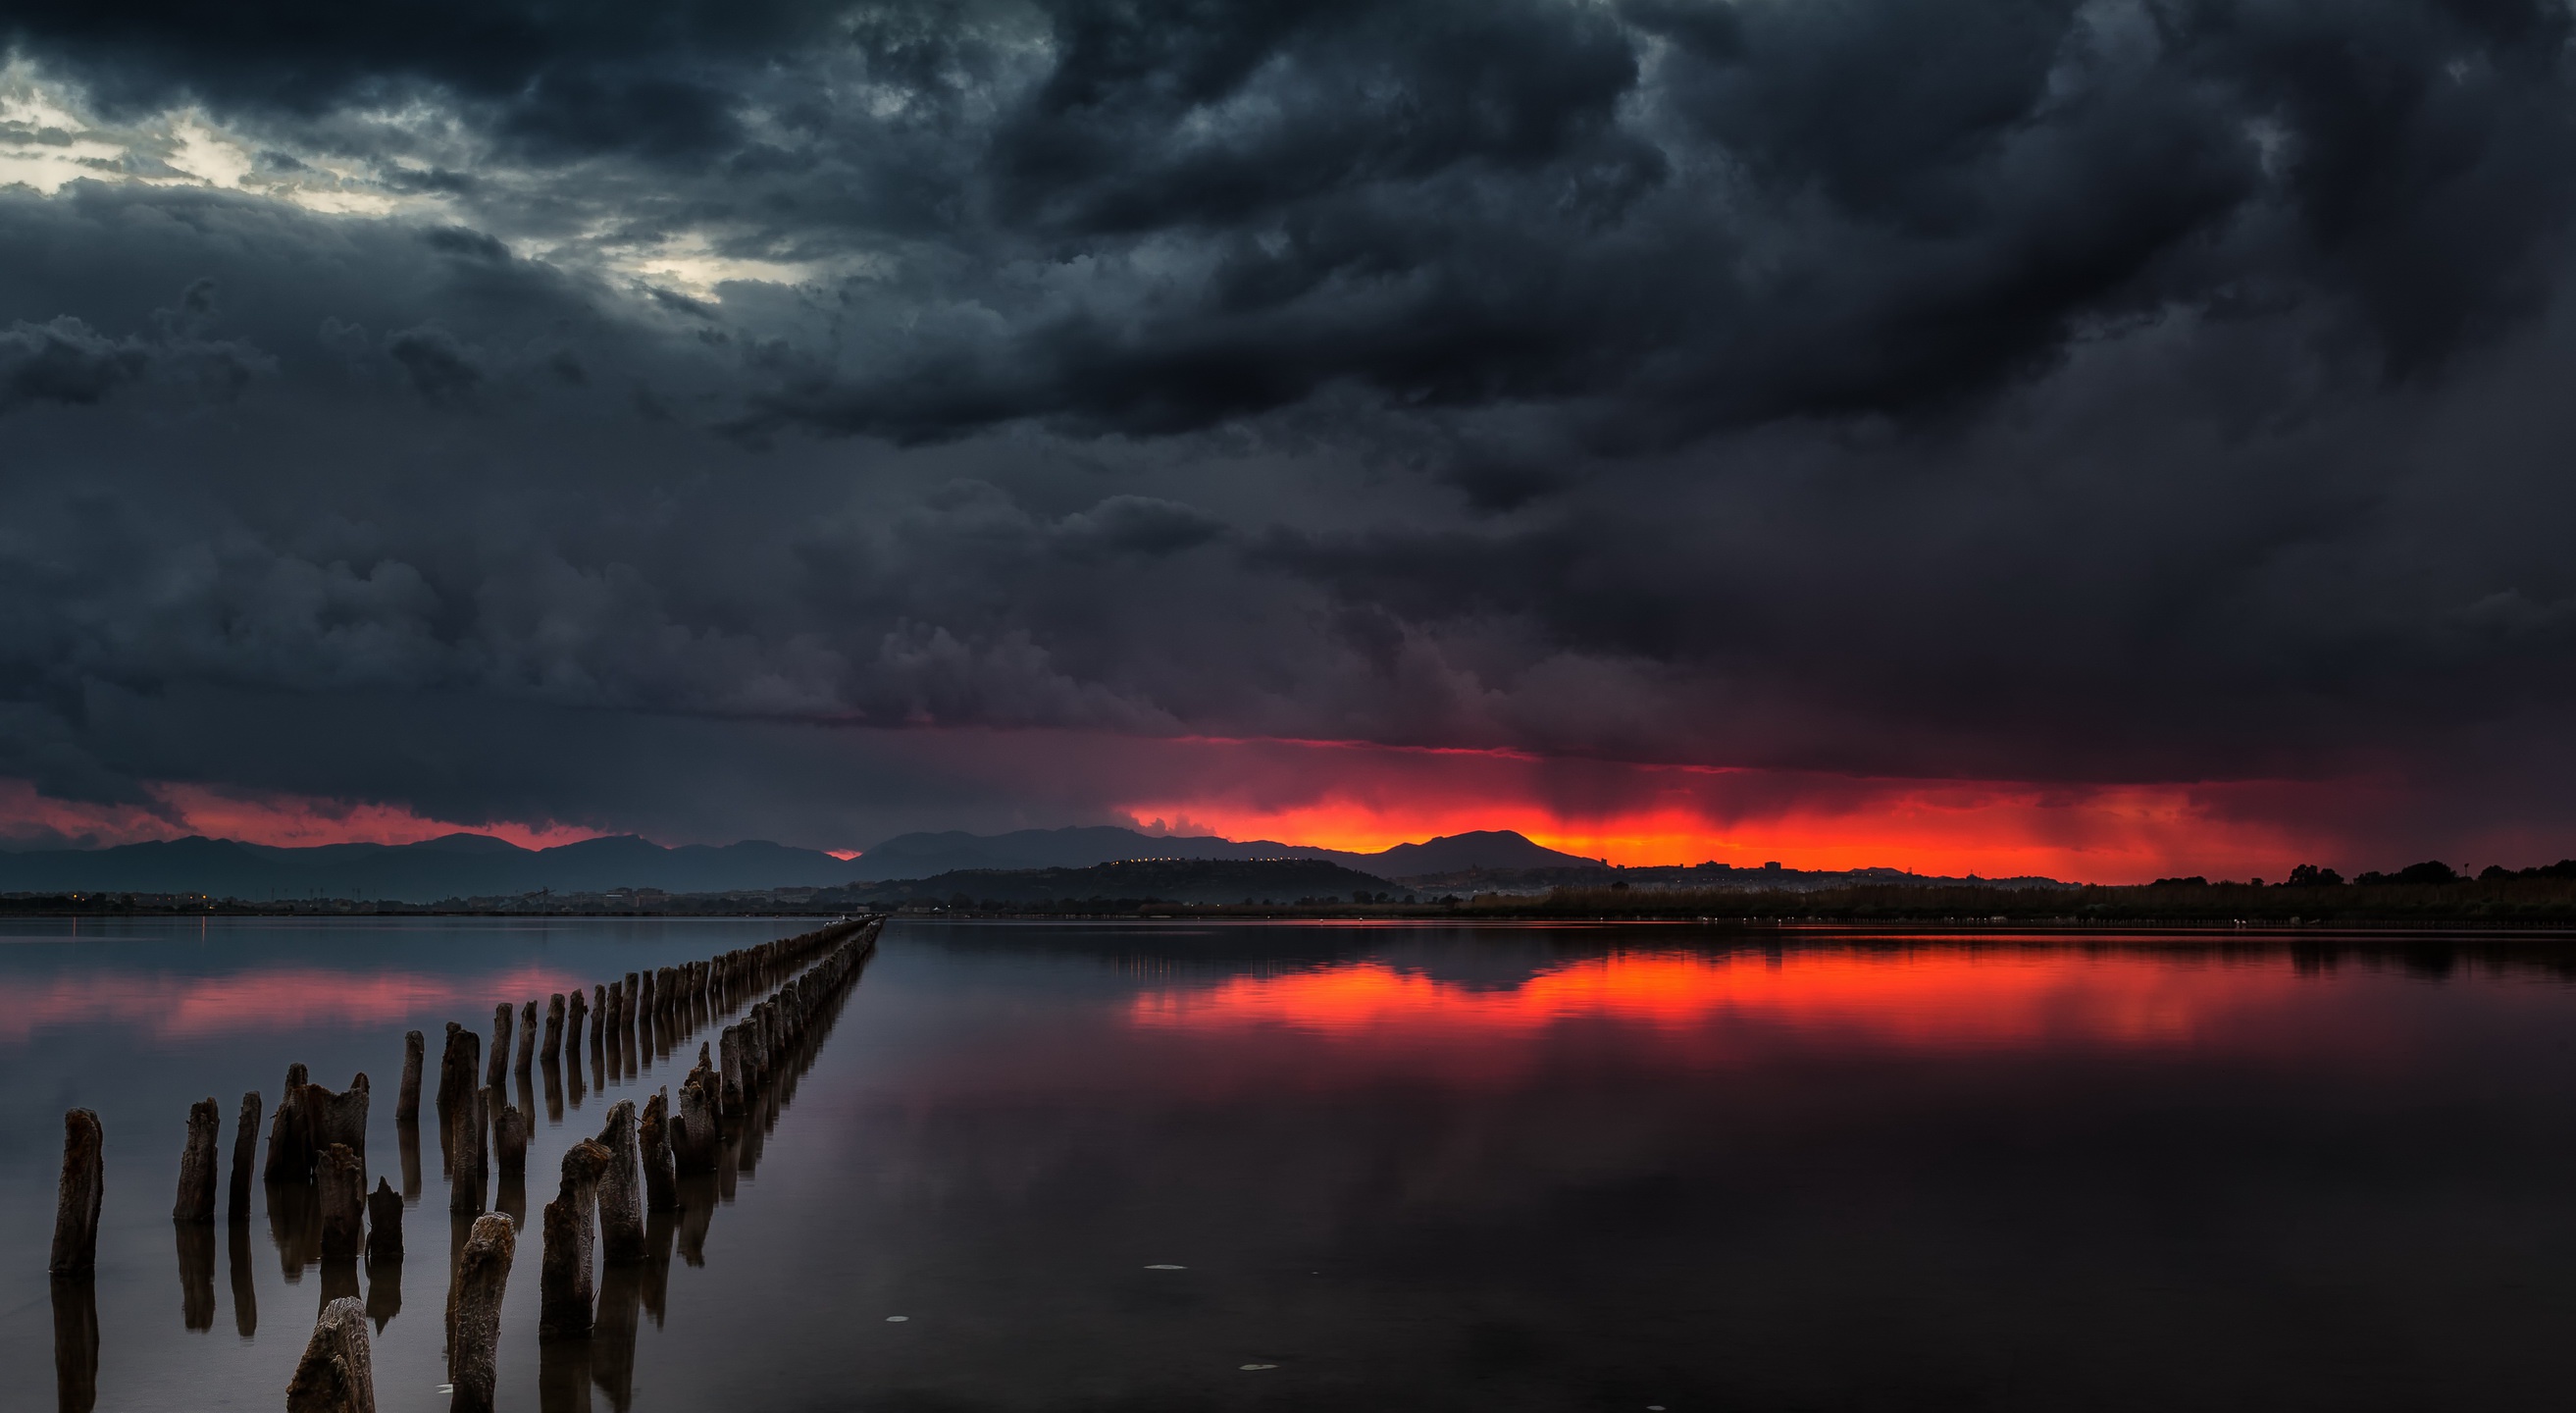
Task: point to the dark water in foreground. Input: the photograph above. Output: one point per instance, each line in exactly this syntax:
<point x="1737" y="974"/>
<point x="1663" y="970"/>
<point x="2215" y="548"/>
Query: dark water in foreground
<point x="1428" y="1168"/>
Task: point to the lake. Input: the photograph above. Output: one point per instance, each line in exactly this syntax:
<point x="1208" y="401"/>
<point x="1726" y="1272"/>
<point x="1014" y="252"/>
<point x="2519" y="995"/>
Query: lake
<point x="1168" y="1166"/>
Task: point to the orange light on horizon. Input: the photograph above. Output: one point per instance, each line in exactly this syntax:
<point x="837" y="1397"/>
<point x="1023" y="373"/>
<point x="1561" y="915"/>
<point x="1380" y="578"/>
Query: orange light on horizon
<point x="2108" y="834"/>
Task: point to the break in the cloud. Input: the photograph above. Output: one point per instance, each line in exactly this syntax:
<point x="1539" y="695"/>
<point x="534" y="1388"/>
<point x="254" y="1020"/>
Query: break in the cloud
<point x="2121" y="427"/>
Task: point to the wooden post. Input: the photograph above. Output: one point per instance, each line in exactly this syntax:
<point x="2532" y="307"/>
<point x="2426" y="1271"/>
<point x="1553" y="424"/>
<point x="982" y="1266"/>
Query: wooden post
<point x="384" y="1223"/>
<point x="407" y="1099"/>
<point x="290" y="1133"/>
<point x="245" y="1152"/>
<point x="76" y="1204"/>
<point x="527" y="1038"/>
<point x="337" y="1373"/>
<point x="344" y="1203"/>
<point x="510" y="1140"/>
<point x="339" y="1118"/>
<point x="577" y="1005"/>
<point x="564" y="1280"/>
<point x="500" y="1044"/>
<point x="694" y="1136"/>
<point x="621" y="1196"/>
<point x="474" y="1313"/>
<point x="598" y="1012"/>
<point x="653" y="1145"/>
<point x="466" y="1155"/>
<point x="197" y="1164"/>
<point x="735" y="1082"/>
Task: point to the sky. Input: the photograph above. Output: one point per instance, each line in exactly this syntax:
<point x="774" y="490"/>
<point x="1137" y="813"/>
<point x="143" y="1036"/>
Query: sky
<point x="2101" y="439"/>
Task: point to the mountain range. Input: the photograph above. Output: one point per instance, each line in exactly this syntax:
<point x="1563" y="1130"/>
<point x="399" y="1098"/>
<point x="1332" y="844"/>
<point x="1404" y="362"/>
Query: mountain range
<point x="923" y="855"/>
<point x="478" y="865"/>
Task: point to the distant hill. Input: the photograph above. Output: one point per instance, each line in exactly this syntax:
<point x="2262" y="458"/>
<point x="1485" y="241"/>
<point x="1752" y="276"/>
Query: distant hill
<point x="1142" y="881"/>
<point x="454" y="866"/>
<point x="478" y="865"/>
<point x="925" y="855"/>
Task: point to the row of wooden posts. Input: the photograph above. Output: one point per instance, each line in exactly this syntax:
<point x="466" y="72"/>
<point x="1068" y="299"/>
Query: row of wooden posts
<point x="608" y="1182"/>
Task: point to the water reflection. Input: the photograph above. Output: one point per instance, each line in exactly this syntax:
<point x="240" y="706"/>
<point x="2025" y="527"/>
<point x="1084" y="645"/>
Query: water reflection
<point x="384" y="1291"/>
<point x="553" y="1066"/>
<point x="237" y="1259"/>
<point x="407" y="1141"/>
<point x="196" y="1274"/>
<point x="1928" y="997"/>
<point x="76" y="1343"/>
<point x="339" y="1281"/>
<point x="295" y="1225"/>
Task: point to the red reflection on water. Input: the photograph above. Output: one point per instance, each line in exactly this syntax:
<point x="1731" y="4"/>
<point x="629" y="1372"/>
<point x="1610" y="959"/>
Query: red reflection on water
<point x="1933" y="998"/>
<point x="174" y="1006"/>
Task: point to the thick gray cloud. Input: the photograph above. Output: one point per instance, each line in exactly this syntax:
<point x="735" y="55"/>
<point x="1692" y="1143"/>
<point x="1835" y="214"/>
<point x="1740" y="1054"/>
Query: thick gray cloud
<point x="2082" y="393"/>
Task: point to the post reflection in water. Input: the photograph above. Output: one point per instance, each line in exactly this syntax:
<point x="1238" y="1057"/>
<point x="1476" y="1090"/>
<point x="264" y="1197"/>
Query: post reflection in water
<point x="237" y="1259"/>
<point x="554" y="1088"/>
<point x="698" y="1198"/>
<point x="659" y="1229"/>
<point x="612" y="1333"/>
<point x="339" y="1281"/>
<point x="196" y="1274"/>
<point x="510" y="1197"/>
<point x="76" y="1343"/>
<point x="295" y="1224"/>
<point x="563" y="1376"/>
<point x="384" y="1292"/>
<point x="407" y="1141"/>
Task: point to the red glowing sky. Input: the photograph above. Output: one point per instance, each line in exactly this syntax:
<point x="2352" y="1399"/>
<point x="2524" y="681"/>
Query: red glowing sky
<point x="1366" y="797"/>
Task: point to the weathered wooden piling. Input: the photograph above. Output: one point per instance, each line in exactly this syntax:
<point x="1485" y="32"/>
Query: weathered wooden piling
<point x="339" y="1118"/>
<point x="500" y="1044"/>
<point x="458" y="1065"/>
<point x="76" y="1204"/>
<point x="694" y="1134"/>
<point x="510" y="1139"/>
<point x="245" y="1153"/>
<point x="527" y="1038"/>
<point x="648" y="998"/>
<point x="564" y="1272"/>
<point x="653" y="1148"/>
<point x="290" y="1132"/>
<point x="621" y="1194"/>
<point x="467" y="1157"/>
<point x="407" y="1099"/>
<point x="598" y="1012"/>
<point x="474" y="1313"/>
<point x="554" y="1025"/>
<point x="729" y="1047"/>
<point x="337" y="1373"/>
<point x="196" y="1201"/>
<point x="384" y="1223"/>
<point x="344" y="1202"/>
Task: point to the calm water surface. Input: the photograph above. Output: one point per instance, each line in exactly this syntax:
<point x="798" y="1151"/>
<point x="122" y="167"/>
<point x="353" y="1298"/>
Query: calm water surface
<point x="1397" y="1167"/>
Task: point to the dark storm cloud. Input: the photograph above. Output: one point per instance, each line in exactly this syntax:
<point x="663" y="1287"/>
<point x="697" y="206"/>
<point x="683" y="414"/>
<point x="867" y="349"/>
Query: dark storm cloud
<point x="2101" y="391"/>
